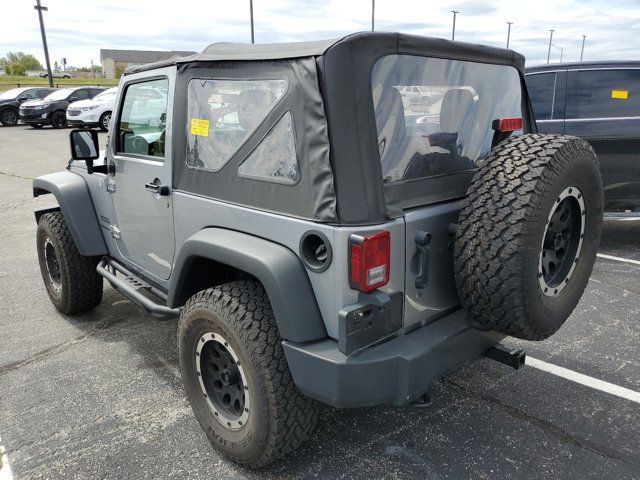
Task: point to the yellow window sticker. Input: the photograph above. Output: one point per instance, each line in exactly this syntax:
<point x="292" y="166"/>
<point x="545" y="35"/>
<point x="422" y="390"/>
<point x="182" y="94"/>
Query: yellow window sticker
<point x="200" y="127"/>
<point x="620" y="94"/>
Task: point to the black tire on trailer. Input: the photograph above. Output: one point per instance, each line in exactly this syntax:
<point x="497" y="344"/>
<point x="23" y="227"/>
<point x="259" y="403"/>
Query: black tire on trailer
<point x="236" y="376"/>
<point x="528" y="234"/>
<point x="70" y="278"/>
<point x="9" y="117"/>
<point x="58" y="119"/>
<point x="104" y="121"/>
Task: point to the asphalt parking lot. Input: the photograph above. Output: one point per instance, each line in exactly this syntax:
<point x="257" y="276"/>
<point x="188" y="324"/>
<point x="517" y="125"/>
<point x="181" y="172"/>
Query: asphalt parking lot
<point x="99" y="395"/>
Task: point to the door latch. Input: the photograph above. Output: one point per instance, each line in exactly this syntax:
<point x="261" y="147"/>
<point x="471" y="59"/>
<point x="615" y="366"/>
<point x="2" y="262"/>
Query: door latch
<point x="423" y="245"/>
<point x="115" y="232"/>
<point x="111" y="185"/>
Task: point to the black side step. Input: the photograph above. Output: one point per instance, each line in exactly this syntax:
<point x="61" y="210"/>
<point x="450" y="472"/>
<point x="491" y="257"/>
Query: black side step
<point x="129" y="285"/>
<point x="512" y="358"/>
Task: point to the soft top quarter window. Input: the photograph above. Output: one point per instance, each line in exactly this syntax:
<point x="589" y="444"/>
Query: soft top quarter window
<point x="223" y="114"/>
<point x="445" y="126"/>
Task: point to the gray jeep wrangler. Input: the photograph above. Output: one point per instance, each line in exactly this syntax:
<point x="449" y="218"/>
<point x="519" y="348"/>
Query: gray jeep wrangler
<point x="321" y="238"/>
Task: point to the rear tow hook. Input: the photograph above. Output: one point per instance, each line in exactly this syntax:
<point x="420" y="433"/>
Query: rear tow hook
<point x="510" y="357"/>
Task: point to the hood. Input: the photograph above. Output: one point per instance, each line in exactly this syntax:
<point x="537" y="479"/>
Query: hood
<point x="90" y="103"/>
<point x="34" y="103"/>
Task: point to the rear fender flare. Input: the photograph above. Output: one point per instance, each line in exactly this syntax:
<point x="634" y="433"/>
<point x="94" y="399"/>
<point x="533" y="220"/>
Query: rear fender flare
<point x="278" y="269"/>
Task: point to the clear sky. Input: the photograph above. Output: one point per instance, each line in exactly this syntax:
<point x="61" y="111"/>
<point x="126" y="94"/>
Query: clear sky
<point x="78" y="30"/>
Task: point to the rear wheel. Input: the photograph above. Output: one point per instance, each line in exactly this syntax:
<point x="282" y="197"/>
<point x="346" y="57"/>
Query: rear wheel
<point x="71" y="279"/>
<point x="9" y="117"/>
<point x="58" y="119"/>
<point x="237" y="378"/>
<point x="528" y="234"/>
<point x="105" y="119"/>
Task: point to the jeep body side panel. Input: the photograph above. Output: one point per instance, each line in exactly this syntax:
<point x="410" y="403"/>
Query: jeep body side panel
<point x="331" y="287"/>
<point x="397" y="371"/>
<point x="75" y="202"/>
<point x="278" y="269"/>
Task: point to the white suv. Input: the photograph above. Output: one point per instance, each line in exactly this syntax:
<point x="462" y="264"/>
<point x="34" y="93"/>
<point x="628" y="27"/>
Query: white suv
<point x="95" y="112"/>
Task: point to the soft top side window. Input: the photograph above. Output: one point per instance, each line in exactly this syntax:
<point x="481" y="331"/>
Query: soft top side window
<point x="142" y="122"/>
<point x="223" y="114"/>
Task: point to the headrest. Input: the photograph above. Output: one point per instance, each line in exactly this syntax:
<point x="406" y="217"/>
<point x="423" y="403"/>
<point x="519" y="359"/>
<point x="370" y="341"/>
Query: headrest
<point x="390" y="118"/>
<point x="456" y="105"/>
<point x="253" y="106"/>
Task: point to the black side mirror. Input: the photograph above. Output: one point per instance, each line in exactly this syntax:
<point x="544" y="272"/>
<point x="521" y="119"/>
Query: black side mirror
<point x="22" y="99"/>
<point x="84" y="146"/>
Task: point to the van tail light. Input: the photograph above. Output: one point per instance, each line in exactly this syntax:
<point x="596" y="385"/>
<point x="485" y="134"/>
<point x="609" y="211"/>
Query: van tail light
<point x="369" y="263"/>
<point x="507" y="124"/>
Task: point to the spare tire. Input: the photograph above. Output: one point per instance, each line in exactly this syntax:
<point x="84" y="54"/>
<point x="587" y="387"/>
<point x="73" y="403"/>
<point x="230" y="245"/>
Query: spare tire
<point x="528" y="234"/>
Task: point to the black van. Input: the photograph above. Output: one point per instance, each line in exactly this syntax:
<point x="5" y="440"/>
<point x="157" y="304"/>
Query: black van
<point x="600" y="102"/>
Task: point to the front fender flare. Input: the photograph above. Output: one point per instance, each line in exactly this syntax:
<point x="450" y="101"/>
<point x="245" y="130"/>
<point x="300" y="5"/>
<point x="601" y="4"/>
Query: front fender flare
<point x="279" y="270"/>
<point x="73" y="196"/>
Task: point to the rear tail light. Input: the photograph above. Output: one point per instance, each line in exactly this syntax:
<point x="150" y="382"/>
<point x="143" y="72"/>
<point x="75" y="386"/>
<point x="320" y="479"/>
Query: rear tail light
<point x="507" y="124"/>
<point x="369" y="261"/>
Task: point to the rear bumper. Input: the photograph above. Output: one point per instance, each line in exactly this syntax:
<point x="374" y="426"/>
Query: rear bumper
<point x="397" y="371"/>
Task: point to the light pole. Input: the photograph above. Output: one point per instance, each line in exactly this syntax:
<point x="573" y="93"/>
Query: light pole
<point x="584" y="37"/>
<point x="550" y="42"/>
<point x="509" y="33"/>
<point x="373" y="15"/>
<point x="40" y="9"/>
<point x="251" y="15"/>
<point x="453" y="33"/>
<point x="559" y="48"/>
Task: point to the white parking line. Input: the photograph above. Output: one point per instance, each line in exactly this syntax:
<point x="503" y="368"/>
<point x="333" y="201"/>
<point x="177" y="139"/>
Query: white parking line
<point x="586" y="380"/>
<point x="619" y="259"/>
<point x="5" y="468"/>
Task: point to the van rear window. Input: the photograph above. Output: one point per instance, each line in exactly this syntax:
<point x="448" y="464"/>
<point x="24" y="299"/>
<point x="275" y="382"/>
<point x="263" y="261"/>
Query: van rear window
<point x="434" y="115"/>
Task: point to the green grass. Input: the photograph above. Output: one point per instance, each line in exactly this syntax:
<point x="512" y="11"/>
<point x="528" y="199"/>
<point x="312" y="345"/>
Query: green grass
<point x="7" y="82"/>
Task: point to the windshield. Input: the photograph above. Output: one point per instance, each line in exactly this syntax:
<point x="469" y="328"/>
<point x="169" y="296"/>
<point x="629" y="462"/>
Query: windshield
<point x="11" y="94"/>
<point x="59" y="94"/>
<point x="434" y="115"/>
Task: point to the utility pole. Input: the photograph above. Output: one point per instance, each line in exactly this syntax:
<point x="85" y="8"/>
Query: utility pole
<point x="40" y="9"/>
<point x="93" y="70"/>
<point x="582" y="51"/>
<point x="550" y="42"/>
<point x="373" y="15"/>
<point x="453" y="33"/>
<point x="508" y="33"/>
<point x="251" y="15"/>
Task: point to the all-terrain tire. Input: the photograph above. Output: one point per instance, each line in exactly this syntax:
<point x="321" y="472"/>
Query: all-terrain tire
<point x="280" y="418"/>
<point x="502" y="234"/>
<point x="71" y="279"/>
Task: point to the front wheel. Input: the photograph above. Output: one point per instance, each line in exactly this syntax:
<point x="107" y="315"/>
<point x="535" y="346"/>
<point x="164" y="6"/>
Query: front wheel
<point x="237" y="378"/>
<point x="71" y="279"/>
<point x="58" y="119"/>
<point x="105" y="119"/>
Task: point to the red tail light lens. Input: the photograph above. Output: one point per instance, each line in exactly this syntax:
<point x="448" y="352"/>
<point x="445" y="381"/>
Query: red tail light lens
<point x="369" y="264"/>
<point x="507" y="124"/>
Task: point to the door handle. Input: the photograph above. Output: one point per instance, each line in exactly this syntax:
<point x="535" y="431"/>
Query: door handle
<point x="423" y="243"/>
<point x="157" y="187"/>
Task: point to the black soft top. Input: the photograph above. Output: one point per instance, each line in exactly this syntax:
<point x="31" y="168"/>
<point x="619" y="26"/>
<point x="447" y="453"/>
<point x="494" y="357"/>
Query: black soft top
<point x="358" y="43"/>
<point x="333" y="104"/>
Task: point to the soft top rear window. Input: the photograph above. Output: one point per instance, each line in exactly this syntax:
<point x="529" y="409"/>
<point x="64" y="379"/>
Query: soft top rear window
<point x="434" y="115"/>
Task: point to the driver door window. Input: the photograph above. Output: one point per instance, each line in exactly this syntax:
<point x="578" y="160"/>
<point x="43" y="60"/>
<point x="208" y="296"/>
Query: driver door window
<point x="141" y="128"/>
